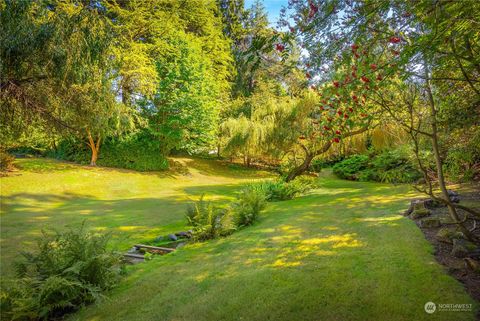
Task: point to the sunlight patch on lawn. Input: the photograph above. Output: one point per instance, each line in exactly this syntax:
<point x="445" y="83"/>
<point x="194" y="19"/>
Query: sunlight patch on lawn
<point x="131" y="227"/>
<point x="41" y="218"/>
<point x="338" y="241"/>
<point x="389" y="220"/>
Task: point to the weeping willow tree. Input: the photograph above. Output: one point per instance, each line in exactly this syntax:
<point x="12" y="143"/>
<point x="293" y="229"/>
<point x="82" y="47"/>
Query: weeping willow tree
<point x="249" y="134"/>
<point x="385" y="136"/>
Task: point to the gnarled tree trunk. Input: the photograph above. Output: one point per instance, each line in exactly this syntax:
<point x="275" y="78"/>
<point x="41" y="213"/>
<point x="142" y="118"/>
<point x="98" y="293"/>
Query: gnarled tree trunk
<point x="300" y="169"/>
<point x="310" y="155"/>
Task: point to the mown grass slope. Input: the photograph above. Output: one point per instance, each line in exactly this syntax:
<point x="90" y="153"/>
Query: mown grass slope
<point x="342" y="252"/>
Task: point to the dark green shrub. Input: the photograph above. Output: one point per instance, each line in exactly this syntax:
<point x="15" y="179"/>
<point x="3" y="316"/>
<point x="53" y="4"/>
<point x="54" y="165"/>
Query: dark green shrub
<point x="248" y="206"/>
<point x="350" y="167"/>
<point x="208" y="221"/>
<point x="138" y="152"/>
<point x="6" y="161"/>
<point x="66" y="271"/>
<point x="318" y="164"/>
<point x="462" y="164"/>
<point x="389" y="166"/>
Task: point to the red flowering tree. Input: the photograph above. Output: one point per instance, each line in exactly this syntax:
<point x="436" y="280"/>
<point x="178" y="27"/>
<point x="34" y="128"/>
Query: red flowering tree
<point x="340" y="108"/>
<point x="421" y="44"/>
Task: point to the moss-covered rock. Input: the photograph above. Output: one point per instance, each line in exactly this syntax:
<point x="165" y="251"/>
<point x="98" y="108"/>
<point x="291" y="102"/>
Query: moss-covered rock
<point x="472" y="265"/>
<point x="462" y="247"/>
<point x="430" y="222"/>
<point x="419" y="213"/>
<point x="447" y="236"/>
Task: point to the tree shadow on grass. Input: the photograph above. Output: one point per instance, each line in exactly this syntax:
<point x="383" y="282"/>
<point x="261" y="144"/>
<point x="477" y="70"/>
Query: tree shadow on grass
<point x="179" y="168"/>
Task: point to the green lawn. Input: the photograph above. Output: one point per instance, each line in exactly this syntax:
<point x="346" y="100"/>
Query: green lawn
<point x="342" y="252"/>
<point x="133" y="206"/>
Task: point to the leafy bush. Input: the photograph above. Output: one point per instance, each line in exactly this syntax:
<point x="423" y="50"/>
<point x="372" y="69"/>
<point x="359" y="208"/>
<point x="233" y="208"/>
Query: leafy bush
<point x="319" y="163"/>
<point x="66" y="271"/>
<point x="6" y="161"/>
<point x="137" y="152"/>
<point x="351" y="167"/>
<point x="463" y="163"/>
<point x="280" y="190"/>
<point x="390" y="167"/>
<point x="209" y="222"/>
<point x="248" y="206"/>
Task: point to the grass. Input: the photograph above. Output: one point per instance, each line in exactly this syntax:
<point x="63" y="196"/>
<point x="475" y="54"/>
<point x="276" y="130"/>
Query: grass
<point x="342" y="252"/>
<point x="133" y="206"/>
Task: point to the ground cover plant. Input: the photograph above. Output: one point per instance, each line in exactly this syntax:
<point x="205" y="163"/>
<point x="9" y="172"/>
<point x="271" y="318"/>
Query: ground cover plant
<point x="65" y="271"/>
<point x="388" y="166"/>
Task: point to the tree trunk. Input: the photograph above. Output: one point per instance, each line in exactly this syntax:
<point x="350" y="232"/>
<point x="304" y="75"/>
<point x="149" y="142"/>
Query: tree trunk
<point x="309" y="155"/>
<point x="438" y="160"/>
<point x="300" y="169"/>
<point x="94" y="147"/>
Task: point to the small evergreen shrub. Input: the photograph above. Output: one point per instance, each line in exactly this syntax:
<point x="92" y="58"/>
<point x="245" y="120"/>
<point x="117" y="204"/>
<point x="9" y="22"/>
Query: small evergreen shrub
<point x="389" y="167"/>
<point x="67" y="270"/>
<point x="319" y="163"/>
<point x="351" y="167"/>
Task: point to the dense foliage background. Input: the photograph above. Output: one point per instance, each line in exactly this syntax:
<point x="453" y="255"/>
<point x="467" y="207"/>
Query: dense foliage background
<point x="126" y="84"/>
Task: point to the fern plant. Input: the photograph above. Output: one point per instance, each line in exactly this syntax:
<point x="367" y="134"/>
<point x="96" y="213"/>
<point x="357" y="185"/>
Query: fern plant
<point x="67" y="270"/>
<point x="207" y="221"/>
<point x="248" y="206"/>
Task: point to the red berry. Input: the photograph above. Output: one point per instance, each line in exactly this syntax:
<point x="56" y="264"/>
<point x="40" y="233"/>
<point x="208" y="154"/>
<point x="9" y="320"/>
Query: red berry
<point x="395" y="40"/>
<point x="350" y="109"/>
<point x="337" y="132"/>
<point x="336" y="140"/>
<point x="336" y="84"/>
<point x="365" y="79"/>
<point x="279" y="47"/>
<point x="373" y="67"/>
